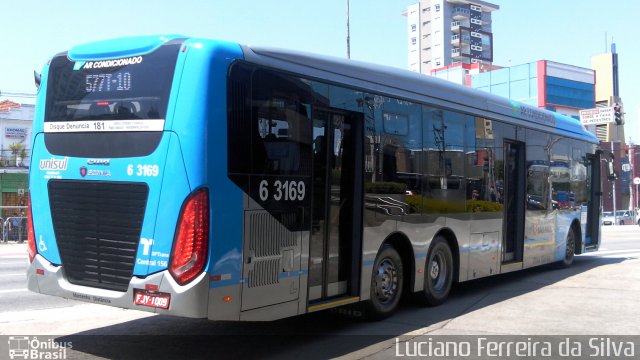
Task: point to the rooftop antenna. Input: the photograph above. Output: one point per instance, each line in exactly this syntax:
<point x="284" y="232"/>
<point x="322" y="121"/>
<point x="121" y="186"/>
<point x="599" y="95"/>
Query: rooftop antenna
<point x="348" y="34"/>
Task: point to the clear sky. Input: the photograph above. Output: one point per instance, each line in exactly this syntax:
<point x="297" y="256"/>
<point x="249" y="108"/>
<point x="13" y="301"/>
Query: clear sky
<point x="566" y="31"/>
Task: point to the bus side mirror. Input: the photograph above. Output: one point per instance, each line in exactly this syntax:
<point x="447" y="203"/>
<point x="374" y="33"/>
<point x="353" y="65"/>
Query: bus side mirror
<point x="37" y="78"/>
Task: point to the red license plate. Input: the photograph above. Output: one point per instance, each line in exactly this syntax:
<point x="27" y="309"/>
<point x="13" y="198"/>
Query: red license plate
<point x="152" y="299"/>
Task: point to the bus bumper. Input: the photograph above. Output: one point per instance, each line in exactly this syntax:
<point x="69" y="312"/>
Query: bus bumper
<point x="190" y="300"/>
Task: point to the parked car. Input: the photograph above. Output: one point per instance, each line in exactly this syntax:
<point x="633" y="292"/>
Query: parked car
<point x="607" y="218"/>
<point x="624" y="217"/>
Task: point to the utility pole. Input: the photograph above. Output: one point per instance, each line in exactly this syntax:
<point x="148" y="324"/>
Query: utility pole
<point x="348" y="34"/>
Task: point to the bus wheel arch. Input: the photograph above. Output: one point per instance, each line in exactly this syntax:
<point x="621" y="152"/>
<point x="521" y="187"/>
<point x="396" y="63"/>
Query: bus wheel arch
<point x="441" y="268"/>
<point x="391" y="276"/>
<point x="572" y="245"/>
<point x="452" y="241"/>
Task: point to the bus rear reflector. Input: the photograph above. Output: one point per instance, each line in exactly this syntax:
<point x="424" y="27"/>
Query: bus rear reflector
<point x="31" y="238"/>
<point x="190" y="245"/>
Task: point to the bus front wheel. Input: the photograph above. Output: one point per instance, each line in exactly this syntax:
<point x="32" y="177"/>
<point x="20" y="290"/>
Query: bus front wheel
<point x="386" y="284"/>
<point x="438" y="276"/>
<point x="570" y="249"/>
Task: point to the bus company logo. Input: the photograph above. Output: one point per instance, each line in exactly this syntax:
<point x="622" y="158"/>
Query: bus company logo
<point x="91" y="172"/>
<point x="103" y="162"/>
<point x="54" y="164"/>
<point x="112" y="63"/>
<point x="25" y="347"/>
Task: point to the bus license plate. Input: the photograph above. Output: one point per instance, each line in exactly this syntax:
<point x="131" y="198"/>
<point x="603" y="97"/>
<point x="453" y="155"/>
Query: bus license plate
<point x="152" y="299"/>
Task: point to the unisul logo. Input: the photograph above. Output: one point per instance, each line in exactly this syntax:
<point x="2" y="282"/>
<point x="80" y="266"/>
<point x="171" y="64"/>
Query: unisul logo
<point x="25" y="347"/>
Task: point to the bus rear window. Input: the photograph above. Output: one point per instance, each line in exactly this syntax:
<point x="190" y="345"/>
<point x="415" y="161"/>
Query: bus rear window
<point x="135" y="87"/>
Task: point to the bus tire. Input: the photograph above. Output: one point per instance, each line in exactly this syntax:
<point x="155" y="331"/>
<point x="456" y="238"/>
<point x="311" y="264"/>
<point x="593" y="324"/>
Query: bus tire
<point x="438" y="277"/>
<point x="570" y="249"/>
<point x="386" y="284"/>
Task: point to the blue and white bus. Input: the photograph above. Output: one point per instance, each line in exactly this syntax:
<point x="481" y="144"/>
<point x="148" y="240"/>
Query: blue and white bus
<point x="208" y="179"/>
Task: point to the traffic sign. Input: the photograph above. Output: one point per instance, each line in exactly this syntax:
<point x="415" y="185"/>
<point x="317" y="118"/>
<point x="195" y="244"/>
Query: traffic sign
<point x="596" y="116"/>
<point x="636" y="181"/>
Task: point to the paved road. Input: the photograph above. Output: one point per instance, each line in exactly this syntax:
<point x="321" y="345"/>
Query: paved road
<point x="598" y="296"/>
<point x="14" y="295"/>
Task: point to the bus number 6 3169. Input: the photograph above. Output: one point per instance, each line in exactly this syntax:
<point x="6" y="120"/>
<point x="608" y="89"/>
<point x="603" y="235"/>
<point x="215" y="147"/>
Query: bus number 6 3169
<point x="283" y="190"/>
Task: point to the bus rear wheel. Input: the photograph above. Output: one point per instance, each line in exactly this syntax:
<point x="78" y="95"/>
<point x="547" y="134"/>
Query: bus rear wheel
<point x="438" y="276"/>
<point x="386" y="284"/>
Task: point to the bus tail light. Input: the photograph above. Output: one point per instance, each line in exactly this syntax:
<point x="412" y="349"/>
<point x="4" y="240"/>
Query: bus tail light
<point x="31" y="238"/>
<point x="190" y="245"/>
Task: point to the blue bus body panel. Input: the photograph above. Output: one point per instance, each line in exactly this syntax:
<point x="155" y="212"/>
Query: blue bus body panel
<point x="149" y="259"/>
<point x="203" y="95"/>
<point x="191" y="155"/>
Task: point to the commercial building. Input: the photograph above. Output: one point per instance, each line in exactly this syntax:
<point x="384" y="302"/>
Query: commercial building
<point x="445" y="32"/>
<point x="460" y="73"/>
<point x="562" y="88"/>
<point x="612" y="135"/>
<point x="15" y="148"/>
<point x="607" y="93"/>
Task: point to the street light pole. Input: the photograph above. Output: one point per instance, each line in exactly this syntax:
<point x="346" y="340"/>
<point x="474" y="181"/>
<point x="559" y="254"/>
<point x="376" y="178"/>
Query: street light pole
<point x="615" y="212"/>
<point x="348" y="34"/>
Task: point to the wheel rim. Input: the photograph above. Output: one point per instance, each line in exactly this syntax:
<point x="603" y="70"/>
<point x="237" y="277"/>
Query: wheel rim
<point x="438" y="271"/>
<point x="571" y="246"/>
<point x="387" y="281"/>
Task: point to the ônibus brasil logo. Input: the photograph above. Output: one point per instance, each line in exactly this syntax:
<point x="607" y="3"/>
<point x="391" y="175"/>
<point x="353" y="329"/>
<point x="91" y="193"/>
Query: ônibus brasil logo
<point x="26" y="347"/>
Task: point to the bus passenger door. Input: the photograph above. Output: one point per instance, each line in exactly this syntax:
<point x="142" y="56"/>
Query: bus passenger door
<point x="336" y="226"/>
<point x="594" y="191"/>
<point x="514" y="204"/>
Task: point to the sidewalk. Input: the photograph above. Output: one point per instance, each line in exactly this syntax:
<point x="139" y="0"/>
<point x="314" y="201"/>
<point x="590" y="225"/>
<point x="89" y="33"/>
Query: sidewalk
<point x="614" y="228"/>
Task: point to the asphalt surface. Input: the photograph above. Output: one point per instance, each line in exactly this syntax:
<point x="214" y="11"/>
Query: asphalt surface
<point x="597" y="296"/>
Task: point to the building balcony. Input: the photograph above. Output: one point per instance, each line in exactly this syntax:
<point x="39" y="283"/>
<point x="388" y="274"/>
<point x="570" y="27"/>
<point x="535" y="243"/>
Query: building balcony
<point x="455" y="25"/>
<point x="458" y="39"/>
<point x="459" y="13"/>
<point x="456" y="54"/>
<point x="16" y="159"/>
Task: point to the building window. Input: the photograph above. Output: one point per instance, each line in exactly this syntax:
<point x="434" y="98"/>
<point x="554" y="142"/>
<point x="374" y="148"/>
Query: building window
<point x="437" y="7"/>
<point x="413" y="27"/>
<point x="413" y="41"/>
<point x="475" y="7"/>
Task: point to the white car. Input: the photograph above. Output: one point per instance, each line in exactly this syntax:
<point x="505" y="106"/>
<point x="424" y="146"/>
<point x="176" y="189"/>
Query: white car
<point x="607" y="218"/>
<point x="624" y="217"/>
